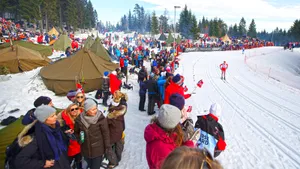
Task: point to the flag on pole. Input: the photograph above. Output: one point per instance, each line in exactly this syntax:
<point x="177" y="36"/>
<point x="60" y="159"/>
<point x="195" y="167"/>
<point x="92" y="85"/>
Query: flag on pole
<point x="200" y="83"/>
<point x="185" y="89"/>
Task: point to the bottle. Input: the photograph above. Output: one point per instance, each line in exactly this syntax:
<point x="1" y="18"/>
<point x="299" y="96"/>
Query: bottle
<point x="82" y="136"/>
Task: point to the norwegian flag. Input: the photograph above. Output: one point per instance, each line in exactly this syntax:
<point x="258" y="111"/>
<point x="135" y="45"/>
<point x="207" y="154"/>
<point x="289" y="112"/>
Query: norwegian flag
<point x="189" y="109"/>
<point x="200" y="83"/>
<point x="79" y="87"/>
<point x="185" y="89"/>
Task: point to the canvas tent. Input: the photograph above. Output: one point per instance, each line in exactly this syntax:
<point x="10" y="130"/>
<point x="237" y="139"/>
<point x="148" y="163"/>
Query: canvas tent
<point x="162" y="37"/>
<point x="62" y="43"/>
<point x="53" y="31"/>
<point x="178" y="40"/>
<point x="21" y="59"/>
<point x="99" y="50"/>
<point x="84" y="66"/>
<point x="89" y="42"/>
<point x="226" y="39"/>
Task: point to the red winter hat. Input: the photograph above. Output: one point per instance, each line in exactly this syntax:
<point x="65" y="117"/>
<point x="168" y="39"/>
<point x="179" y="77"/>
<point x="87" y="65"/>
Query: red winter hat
<point x="221" y="144"/>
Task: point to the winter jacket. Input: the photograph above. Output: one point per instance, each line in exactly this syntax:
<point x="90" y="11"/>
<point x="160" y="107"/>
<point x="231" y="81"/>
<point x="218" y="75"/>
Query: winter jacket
<point x="74" y="44"/>
<point x="74" y="146"/>
<point x="154" y="63"/>
<point x="118" y="53"/>
<point x="140" y="57"/>
<point x="29" y="117"/>
<point x="96" y="137"/>
<point x="143" y="88"/>
<point x="116" y="123"/>
<point x="172" y="89"/>
<point x="209" y="123"/>
<point x="121" y="62"/>
<point x="114" y="83"/>
<point x="161" y="86"/>
<point x="30" y="156"/>
<point x="152" y="87"/>
<point x="126" y="63"/>
<point x="142" y="74"/>
<point x="159" y="145"/>
<point x="105" y="84"/>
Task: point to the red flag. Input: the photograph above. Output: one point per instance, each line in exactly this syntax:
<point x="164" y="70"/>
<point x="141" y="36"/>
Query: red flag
<point x="200" y="83"/>
<point x="189" y="109"/>
<point x="185" y="89"/>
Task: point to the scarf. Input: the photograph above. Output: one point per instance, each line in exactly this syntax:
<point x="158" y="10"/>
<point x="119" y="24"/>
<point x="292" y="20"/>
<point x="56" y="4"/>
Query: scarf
<point x="50" y="140"/>
<point x="88" y="120"/>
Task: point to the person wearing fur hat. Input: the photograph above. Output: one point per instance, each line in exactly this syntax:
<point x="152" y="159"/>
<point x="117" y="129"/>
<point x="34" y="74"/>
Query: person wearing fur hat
<point x="114" y="82"/>
<point x="29" y="116"/>
<point x="175" y="86"/>
<point x="163" y="135"/>
<point x="45" y="148"/>
<point x="91" y="130"/>
<point x="210" y="124"/>
<point x="116" y="125"/>
<point x="105" y="87"/>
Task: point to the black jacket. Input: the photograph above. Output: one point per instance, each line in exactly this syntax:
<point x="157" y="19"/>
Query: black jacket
<point x="152" y="87"/>
<point x="30" y="156"/>
<point x="105" y="84"/>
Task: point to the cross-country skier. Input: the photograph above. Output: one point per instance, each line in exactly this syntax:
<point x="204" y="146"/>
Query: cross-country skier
<point x="223" y="68"/>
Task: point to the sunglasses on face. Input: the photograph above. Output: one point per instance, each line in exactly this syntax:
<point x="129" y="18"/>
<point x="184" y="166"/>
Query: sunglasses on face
<point x="74" y="109"/>
<point x="79" y="97"/>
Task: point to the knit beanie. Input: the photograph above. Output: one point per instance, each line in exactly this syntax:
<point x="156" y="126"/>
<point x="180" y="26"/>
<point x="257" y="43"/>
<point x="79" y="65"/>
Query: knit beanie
<point x="169" y="116"/>
<point x="78" y="91"/>
<point x="42" y="100"/>
<point x="106" y="73"/>
<point x="177" y="100"/>
<point x="215" y="109"/>
<point x="177" y="79"/>
<point x="88" y="104"/>
<point x="43" y="112"/>
<point x="71" y="94"/>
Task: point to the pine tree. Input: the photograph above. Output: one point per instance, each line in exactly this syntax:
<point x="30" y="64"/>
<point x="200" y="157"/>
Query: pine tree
<point x="194" y="28"/>
<point x="184" y="22"/>
<point x="50" y="13"/>
<point x="142" y="19"/>
<point x="230" y="30"/>
<point x="295" y="29"/>
<point x="154" y="24"/>
<point x="148" y="23"/>
<point x="242" y="27"/>
<point x="71" y="15"/>
<point x="235" y="32"/>
<point x="137" y="19"/>
<point x="130" y="21"/>
<point x="252" y="29"/>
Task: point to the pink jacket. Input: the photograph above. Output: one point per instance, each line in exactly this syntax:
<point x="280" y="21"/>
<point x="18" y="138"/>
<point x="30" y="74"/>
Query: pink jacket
<point x="159" y="145"/>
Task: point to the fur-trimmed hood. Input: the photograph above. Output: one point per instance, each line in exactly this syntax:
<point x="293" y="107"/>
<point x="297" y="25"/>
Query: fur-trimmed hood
<point x="23" y="139"/>
<point x="115" y="112"/>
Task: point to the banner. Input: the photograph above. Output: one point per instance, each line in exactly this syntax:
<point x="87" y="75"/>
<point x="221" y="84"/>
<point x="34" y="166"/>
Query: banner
<point x="203" y="49"/>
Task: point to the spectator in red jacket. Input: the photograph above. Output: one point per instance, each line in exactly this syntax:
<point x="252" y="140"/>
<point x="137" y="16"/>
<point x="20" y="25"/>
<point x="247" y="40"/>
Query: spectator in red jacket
<point x="175" y="87"/>
<point x="74" y="45"/>
<point x="163" y="135"/>
<point x="122" y="63"/>
<point x="114" y="82"/>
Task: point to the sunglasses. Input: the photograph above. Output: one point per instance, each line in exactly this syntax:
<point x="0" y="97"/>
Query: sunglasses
<point x="74" y="109"/>
<point x="79" y="97"/>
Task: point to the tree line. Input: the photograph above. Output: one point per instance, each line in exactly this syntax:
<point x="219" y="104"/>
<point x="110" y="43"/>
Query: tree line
<point x="69" y="14"/>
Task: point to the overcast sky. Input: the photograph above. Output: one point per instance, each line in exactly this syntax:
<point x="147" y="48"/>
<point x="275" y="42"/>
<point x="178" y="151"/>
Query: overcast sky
<point x="268" y="14"/>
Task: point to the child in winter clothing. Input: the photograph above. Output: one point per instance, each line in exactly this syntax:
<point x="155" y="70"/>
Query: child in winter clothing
<point x="105" y="87"/>
<point x="163" y="135"/>
<point x="142" y="93"/>
<point x="212" y="134"/>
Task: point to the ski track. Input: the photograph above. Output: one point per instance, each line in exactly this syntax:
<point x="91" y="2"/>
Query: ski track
<point x="272" y="93"/>
<point x="284" y="148"/>
<point x="267" y="99"/>
<point x="252" y="102"/>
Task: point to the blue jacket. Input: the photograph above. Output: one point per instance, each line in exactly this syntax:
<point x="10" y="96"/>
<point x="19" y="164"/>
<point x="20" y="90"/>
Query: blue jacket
<point x="140" y="57"/>
<point x="126" y="62"/>
<point x="118" y="53"/>
<point x="143" y="88"/>
<point x="161" y="86"/>
<point x="154" y="63"/>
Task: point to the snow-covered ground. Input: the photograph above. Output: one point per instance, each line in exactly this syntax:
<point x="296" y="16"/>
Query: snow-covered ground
<point x="260" y="114"/>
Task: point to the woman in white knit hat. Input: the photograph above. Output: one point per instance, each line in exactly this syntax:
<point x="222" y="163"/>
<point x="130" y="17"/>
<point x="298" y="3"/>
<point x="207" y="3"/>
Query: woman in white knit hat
<point x="163" y="135"/>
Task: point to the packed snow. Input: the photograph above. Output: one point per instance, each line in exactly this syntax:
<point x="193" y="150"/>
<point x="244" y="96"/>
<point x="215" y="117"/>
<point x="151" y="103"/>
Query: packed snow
<point x="260" y="116"/>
